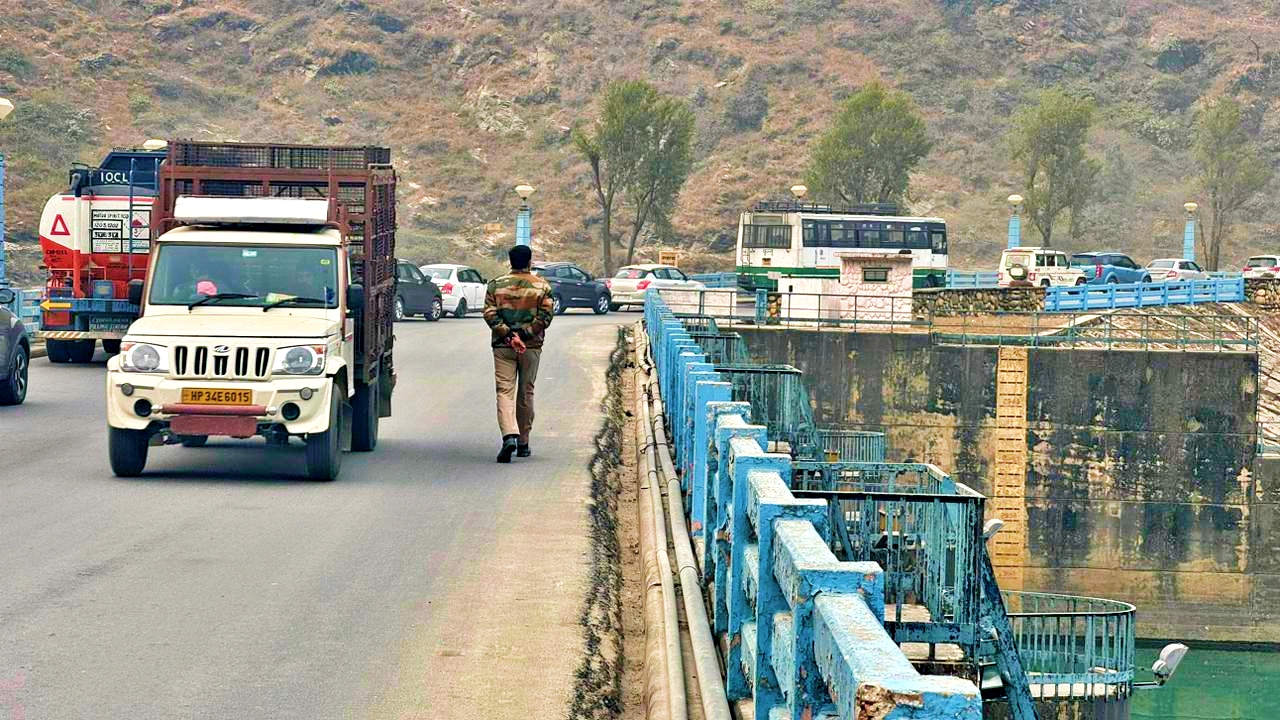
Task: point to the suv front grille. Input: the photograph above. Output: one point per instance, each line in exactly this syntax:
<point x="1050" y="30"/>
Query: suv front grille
<point x="237" y="363"/>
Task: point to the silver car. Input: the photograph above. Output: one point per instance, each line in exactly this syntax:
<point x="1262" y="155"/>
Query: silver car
<point x="15" y="352"/>
<point x="1174" y="269"/>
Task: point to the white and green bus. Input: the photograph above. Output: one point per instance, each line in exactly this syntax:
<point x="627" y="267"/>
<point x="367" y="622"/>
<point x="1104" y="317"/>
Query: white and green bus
<point x="796" y="239"/>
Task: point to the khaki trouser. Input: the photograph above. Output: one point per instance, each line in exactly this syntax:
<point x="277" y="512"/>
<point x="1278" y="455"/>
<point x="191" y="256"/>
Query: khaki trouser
<point x="514" y="376"/>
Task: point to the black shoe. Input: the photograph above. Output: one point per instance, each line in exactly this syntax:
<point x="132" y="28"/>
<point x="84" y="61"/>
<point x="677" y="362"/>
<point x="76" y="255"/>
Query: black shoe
<point x="509" y="446"/>
<point x="523" y="451"/>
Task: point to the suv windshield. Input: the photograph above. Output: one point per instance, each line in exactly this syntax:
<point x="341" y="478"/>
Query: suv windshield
<point x="1083" y="260"/>
<point x="253" y="275"/>
<point x="1261" y="261"/>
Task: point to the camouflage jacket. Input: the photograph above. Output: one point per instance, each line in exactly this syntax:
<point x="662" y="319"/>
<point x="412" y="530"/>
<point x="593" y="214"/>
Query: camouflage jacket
<point x="519" y="302"/>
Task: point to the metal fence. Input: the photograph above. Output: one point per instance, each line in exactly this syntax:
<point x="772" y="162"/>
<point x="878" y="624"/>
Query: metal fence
<point x="717" y="281"/>
<point x="961" y="279"/>
<point x="1107" y="330"/>
<point x="722" y="348"/>
<point x="1074" y="646"/>
<point x="1131" y="295"/>
<point x="26" y="305"/>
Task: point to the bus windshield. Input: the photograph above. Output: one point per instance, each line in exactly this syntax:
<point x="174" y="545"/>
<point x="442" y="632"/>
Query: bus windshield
<point x="256" y="275"/>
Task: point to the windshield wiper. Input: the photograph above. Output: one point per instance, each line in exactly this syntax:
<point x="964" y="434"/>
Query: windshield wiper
<point x="220" y="296"/>
<point x="294" y="301"/>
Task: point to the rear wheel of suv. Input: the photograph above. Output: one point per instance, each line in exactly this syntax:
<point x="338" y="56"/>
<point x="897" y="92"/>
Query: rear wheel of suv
<point x="14" y="390"/>
<point x="1113" y="280"/>
<point x="602" y="305"/>
<point x="461" y="310"/>
<point x="557" y="306"/>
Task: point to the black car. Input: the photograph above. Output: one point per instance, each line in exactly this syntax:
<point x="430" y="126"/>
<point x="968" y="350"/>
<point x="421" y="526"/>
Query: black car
<point x="573" y="287"/>
<point x="15" y="353"/>
<point x="416" y="294"/>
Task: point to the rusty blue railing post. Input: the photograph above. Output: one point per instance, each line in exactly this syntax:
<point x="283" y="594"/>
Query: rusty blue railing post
<point x="729" y="427"/>
<point x="707" y="392"/>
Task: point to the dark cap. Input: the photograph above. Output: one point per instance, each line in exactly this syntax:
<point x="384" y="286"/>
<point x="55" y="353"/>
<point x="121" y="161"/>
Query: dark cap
<point x="521" y="257"/>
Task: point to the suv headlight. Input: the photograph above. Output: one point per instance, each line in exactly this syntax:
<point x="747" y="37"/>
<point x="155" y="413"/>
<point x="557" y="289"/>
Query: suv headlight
<point x="144" y="358"/>
<point x="300" y="360"/>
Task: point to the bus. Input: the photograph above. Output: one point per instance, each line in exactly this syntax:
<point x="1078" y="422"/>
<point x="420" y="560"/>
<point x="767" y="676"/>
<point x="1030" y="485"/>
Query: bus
<point x="797" y="239"/>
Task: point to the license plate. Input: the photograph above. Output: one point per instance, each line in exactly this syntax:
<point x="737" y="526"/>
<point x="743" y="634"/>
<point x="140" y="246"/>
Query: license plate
<point x="211" y="396"/>
<point x="116" y="325"/>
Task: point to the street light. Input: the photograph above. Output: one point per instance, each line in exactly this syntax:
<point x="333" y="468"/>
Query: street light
<point x="1015" y="220"/>
<point x="1189" y="233"/>
<point x="524" y="216"/>
<point x="799" y="191"/>
<point x="6" y="107"/>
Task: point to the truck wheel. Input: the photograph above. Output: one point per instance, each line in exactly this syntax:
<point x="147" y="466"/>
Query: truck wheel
<point x="364" y="430"/>
<point x="59" y="351"/>
<point x="194" y="441"/>
<point x="82" y="350"/>
<point x="111" y="347"/>
<point x="14" y="390"/>
<point x="128" y="451"/>
<point x="324" y="450"/>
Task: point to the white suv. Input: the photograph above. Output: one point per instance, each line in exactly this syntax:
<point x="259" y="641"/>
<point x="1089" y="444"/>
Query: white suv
<point x="1037" y="266"/>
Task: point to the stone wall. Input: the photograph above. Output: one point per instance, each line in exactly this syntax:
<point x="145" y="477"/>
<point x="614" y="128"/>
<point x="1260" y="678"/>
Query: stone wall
<point x="1263" y="293"/>
<point x="1140" y="483"/>
<point x="946" y="302"/>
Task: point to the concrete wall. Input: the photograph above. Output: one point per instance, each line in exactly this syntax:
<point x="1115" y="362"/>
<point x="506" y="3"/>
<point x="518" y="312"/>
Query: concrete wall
<point x="1140" y="482"/>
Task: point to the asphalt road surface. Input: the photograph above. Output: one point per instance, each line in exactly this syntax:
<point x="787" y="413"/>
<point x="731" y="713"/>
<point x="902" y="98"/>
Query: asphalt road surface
<point x="427" y="582"/>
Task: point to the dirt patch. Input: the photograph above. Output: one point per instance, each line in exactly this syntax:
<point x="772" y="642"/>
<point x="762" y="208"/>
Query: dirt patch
<point x="608" y="682"/>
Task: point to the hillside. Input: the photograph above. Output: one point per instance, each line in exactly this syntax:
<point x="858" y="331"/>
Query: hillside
<point x="477" y="96"/>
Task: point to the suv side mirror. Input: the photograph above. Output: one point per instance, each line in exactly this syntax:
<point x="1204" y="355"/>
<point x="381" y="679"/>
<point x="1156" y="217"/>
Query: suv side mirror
<point x="355" y="297"/>
<point x="135" y="292"/>
<point x="7" y="296"/>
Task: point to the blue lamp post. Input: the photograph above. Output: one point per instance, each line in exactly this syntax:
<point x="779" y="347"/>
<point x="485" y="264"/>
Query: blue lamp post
<point x="524" y="216"/>
<point x="1015" y="221"/>
<point x="1189" y="234"/>
<point x="6" y="107"/>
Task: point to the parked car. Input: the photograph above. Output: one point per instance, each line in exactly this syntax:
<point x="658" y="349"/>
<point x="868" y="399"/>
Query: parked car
<point x="1262" y="266"/>
<point x="1109" y="268"/>
<point x="573" y="287"/>
<point x="630" y="283"/>
<point x="416" y="294"/>
<point x="1037" y="266"/>
<point x="462" y="288"/>
<point x="15" y="353"/>
<point x="1172" y="269"/>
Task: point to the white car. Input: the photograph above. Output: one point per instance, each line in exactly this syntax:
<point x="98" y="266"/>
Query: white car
<point x="1262" y="266"/>
<point x="1037" y="266"/>
<point x="629" y="284"/>
<point x="1173" y="269"/>
<point x="461" y="288"/>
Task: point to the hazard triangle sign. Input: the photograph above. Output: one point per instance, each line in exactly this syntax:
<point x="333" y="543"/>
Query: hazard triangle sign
<point x="59" y="226"/>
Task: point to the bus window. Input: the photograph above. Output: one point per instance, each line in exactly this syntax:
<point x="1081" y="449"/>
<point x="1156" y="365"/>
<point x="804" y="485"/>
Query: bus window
<point x="939" y="241"/>
<point x="842" y="237"/>
<point x="897" y="239"/>
<point x="871" y="238"/>
<point x="777" y="237"/>
<point x="917" y="239"/>
<point x="810" y="234"/>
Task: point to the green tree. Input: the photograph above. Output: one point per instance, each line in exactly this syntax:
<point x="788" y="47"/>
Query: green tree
<point x="664" y="166"/>
<point x="640" y="153"/>
<point x="1232" y="170"/>
<point x="868" y="155"/>
<point x="1049" y="142"/>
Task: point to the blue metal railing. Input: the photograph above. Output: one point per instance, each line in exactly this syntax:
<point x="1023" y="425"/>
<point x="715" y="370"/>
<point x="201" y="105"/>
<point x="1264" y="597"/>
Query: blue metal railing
<point x="960" y="279"/>
<point x="804" y="631"/>
<point x="1129" y="295"/>
<point x="1074" y="645"/>
<point x="26" y="305"/>
<point x="717" y="281"/>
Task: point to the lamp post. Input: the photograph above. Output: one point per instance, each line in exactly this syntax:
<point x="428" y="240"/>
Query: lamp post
<point x="1189" y="234"/>
<point x="6" y="107"/>
<point x="1015" y="221"/>
<point x="524" y="216"/>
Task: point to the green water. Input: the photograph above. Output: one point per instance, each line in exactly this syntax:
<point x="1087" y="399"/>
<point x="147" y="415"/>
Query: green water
<point x="1212" y="685"/>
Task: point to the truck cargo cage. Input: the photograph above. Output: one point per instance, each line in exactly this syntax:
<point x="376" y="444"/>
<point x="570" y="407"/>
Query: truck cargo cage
<point x="360" y="178"/>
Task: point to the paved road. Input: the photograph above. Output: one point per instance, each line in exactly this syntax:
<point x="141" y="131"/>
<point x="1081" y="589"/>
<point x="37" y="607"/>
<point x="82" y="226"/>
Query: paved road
<point x="428" y="582"/>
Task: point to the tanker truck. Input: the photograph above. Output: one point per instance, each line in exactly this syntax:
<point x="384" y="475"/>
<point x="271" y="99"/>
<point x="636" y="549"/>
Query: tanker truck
<point x="96" y="239"/>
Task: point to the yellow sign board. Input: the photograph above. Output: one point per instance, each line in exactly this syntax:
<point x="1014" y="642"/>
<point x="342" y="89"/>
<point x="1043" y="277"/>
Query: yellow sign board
<point x="492" y="228"/>
<point x="669" y="257"/>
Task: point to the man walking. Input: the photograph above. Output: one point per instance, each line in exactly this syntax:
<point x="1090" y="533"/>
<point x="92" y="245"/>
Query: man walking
<point x="517" y="307"/>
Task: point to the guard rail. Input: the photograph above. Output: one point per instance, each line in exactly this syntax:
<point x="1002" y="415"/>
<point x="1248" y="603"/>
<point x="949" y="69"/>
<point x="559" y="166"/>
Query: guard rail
<point x="1132" y="295"/>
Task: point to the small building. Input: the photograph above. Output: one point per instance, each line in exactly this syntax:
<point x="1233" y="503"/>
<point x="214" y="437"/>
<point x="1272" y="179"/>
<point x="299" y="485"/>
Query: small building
<point x="877" y="286"/>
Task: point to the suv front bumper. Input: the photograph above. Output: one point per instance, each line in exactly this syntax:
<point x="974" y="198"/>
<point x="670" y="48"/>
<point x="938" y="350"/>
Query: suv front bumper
<point x="130" y="393"/>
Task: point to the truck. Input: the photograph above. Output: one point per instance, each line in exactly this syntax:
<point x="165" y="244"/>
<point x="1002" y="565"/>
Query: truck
<point x="95" y="239"/>
<point x="267" y="309"/>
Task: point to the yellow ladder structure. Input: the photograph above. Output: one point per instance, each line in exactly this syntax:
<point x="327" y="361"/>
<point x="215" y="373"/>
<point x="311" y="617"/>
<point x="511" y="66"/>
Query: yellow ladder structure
<point x="1009" y="484"/>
